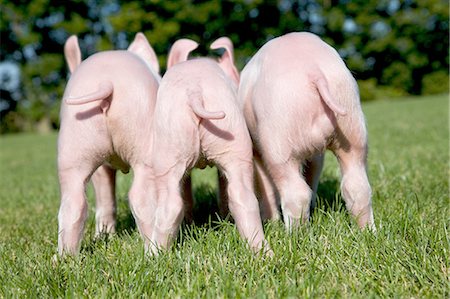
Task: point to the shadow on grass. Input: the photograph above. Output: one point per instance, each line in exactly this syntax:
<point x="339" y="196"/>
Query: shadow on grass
<point x="206" y="209"/>
<point x="125" y="223"/>
<point x="205" y="212"/>
<point x="328" y="195"/>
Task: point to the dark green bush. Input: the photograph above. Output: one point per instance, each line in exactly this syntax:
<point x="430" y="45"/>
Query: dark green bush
<point x="436" y="82"/>
<point x="367" y="90"/>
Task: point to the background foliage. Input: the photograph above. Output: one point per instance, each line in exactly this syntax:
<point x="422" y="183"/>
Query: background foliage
<point x="393" y="47"/>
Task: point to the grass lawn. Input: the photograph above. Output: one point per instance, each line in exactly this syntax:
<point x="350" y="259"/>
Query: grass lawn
<point x="330" y="257"/>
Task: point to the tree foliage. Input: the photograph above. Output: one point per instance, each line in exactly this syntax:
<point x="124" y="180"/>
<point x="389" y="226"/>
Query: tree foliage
<point x="399" y="47"/>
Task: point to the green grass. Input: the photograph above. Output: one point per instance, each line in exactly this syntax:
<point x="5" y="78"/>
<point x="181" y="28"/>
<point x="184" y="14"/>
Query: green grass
<point x="330" y="257"/>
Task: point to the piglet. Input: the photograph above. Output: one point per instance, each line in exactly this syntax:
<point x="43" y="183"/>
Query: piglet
<point x="104" y="178"/>
<point x="299" y="99"/>
<point x="198" y="122"/>
<point x="179" y="52"/>
<point x="106" y="118"/>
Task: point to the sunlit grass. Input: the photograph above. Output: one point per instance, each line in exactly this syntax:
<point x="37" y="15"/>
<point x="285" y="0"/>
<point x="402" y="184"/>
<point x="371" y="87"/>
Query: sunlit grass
<point x="407" y="257"/>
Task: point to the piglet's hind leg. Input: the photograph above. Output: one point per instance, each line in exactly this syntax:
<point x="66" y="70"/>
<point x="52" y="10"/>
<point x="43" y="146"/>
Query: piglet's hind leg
<point x="104" y="181"/>
<point x="170" y="210"/>
<point x="295" y="194"/>
<point x="73" y="210"/>
<point x="142" y="200"/>
<point x="222" y="194"/>
<point x="265" y="191"/>
<point x="243" y="204"/>
<point x="355" y="185"/>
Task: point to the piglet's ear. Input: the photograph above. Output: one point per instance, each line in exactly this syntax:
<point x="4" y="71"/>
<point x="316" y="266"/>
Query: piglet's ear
<point x="180" y="51"/>
<point x="72" y="53"/>
<point x="226" y="62"/>
<point x="141" y="47"/>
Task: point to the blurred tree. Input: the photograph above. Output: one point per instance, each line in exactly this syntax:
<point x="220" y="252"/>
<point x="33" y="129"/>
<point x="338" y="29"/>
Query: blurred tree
<point x="399" y="43"/>
<point x="401" y="46"/>
<point x="32" y="38"/>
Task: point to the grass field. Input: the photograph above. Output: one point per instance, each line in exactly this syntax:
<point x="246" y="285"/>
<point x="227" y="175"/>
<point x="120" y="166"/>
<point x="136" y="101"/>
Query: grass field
<point x="408" y="257"/>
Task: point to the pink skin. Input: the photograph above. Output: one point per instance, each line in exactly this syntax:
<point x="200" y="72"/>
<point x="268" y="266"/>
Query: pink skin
<point x="106" y="125"/>
<point x="264" y="188"/>
<point x="198" y="122"/>
<point x="104" y="178"/>
<point x="226" y="62"/>
<point x="299" y="99"/>
<point x="179" y="53"/>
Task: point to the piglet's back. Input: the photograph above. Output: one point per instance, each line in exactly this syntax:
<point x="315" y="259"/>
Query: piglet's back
<point x="300" y="50"/>
<point x="121" y="68"/>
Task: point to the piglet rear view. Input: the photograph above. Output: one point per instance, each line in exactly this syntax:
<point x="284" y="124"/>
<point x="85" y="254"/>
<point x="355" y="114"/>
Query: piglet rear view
<point x="299" y="99"/>
<point x="105" y="120"/>
<point x="198" y="122"/>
